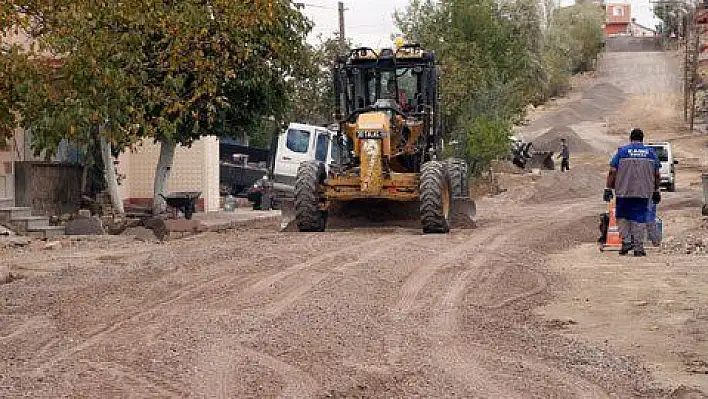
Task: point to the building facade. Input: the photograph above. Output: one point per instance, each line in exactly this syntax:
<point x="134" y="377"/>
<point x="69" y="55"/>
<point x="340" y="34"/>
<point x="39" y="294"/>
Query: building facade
<point x="618" y="19"/>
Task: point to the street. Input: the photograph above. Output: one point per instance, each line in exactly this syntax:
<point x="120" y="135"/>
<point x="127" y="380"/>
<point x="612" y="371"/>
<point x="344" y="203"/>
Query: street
<point x="523" y="305"/>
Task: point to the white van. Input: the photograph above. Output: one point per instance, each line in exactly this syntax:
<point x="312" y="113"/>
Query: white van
<point x="668" y="162"/>
<point x="298" y="143"/>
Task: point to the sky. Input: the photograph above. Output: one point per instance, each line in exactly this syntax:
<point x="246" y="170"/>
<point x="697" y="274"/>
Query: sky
<point x="367" y="22"/>
<point x="370" y="22"/>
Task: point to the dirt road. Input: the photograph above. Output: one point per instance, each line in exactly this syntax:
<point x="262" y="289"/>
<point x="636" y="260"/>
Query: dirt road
<point x="384" y="312"/>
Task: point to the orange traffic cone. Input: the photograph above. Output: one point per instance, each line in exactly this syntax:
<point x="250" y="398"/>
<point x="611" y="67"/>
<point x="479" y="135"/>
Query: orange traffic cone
<point x="614" y="240"/>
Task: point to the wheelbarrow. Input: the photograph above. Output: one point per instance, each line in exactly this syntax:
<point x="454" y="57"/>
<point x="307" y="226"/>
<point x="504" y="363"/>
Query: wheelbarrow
<point x="185" y="201"/>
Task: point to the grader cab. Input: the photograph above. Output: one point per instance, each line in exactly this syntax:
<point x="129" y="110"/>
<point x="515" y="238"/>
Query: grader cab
<point x="388" y="144"/>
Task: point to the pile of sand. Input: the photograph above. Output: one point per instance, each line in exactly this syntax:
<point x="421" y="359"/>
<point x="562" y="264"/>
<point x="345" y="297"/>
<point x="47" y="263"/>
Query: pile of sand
<point x="582" y="181"/>
<point x="551" y="141"/>
<point x="579" y="182"/>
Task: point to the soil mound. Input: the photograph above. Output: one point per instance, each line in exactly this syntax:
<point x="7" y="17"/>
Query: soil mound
<point x="582" y="181"/>
<point x="576" y="183"/>
<point x="551" y="141"/>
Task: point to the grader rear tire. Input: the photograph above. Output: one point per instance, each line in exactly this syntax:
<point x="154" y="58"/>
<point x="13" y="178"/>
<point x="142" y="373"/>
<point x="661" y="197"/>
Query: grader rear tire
<point x="308" y="215"/>
<point x="457" y="169"/>
<point x="435" y="198"/>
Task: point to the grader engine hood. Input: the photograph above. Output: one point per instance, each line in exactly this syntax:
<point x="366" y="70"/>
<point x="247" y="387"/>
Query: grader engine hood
<point x="372" y="142"/>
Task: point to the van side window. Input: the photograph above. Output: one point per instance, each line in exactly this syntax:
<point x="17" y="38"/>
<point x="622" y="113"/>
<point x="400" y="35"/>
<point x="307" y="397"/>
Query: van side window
<point x="322" y="147"/>
<point x="298" y="140"/>
<point x="661" y="153"/>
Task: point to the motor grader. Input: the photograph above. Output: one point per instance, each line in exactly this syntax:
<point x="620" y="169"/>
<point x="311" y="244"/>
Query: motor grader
<point x="388" y="144"/>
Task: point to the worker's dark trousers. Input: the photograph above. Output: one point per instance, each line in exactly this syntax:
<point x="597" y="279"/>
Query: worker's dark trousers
<point x="565" y="165"/>
<point x="632" y="233"/>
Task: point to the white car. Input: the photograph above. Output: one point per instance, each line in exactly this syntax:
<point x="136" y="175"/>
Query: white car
<point x="668" y="163"/>
<point x="298" y="143"/>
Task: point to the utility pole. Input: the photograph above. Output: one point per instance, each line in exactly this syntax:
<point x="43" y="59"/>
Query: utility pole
<point x="685" y="76"/>
<point x="342" y="36"/>
<point x="694" y="78"/>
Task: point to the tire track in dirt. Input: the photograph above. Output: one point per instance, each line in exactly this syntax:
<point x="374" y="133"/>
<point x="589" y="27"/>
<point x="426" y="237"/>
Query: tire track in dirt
<point x="308" y="281"/>
<point x="268" y="281"/>
<point x="540" y="287"/>
<point x="420" y="277"/>
<point x="298" y="384"/>
<point x="120" y="372"/>
<point x="102" y="332"/>
<point x="184" y="292"/>
<point x="193" y="290"/>
<point x="477" y="378"/>
<point x="466" y="361"/>
<point x="217" y="375"/>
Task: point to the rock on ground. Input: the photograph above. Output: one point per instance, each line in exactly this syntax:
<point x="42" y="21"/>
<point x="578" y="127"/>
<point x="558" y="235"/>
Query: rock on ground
<point x="83" y="226"/>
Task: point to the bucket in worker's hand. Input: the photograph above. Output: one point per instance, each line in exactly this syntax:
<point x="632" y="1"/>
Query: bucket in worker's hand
<point x="655" y="231"/>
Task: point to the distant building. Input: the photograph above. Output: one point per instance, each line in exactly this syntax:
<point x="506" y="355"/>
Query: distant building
<point x="641" y="30"/>
<point x="618" y="19"/>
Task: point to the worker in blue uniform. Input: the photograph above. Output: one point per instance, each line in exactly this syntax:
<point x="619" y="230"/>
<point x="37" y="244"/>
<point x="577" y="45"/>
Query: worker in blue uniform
<point x="634" y="177"/>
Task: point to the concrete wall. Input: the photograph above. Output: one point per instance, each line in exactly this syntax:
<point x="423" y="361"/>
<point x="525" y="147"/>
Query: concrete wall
<point x="194" y="169"/>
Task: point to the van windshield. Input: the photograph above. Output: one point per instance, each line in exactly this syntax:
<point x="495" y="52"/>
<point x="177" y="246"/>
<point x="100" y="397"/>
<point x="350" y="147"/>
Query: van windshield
<point x="661" y="153"/>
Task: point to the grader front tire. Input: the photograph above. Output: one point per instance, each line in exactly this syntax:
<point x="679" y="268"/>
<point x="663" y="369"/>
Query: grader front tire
<point x="435" y="198"/>
<point x="308" y="215"/>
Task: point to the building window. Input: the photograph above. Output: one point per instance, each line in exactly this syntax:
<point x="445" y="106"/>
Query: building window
<point x="617" y="11"/>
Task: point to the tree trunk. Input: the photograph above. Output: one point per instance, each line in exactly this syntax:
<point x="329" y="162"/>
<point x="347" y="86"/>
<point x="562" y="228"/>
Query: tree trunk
<point x="162" y="175"/>
<point x="109" y="173"/>
<point x="84" y="178"/>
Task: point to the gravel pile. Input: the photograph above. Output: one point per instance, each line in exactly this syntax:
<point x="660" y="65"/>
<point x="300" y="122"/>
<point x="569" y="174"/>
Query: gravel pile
<point x="551" y="141"/>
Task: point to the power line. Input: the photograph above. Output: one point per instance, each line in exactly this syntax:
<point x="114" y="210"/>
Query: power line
<point x="302" y="5"/>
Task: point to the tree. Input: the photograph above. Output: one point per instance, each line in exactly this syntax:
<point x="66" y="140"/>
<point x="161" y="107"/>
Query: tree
<point x="313" y="94"/>
<point x="675" y="16"/>
<point x="496" y="58"/>
<point x="490" y="60"/>
<point x="173" y="71"/>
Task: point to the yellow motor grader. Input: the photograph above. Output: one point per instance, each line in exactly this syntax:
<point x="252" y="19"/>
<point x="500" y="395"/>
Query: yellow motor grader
<point x="388" y="144"/>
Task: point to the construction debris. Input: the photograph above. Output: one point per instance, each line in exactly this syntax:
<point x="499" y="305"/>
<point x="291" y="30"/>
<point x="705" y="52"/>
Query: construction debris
<point x="85" y="226"/>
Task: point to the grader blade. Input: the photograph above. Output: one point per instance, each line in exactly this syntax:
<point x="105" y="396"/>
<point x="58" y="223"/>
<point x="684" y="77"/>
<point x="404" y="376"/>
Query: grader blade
<point x="287" y="215"/>
<point x="374" y="213"/>
<point x="462" y="213"/>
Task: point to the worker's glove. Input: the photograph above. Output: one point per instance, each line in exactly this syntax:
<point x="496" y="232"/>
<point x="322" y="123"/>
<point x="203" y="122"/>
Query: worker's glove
<point x="656" y="197"/>
<point x="607" y="196"/>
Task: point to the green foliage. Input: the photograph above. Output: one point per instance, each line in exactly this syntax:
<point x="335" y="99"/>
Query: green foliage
<point x="311" y="97"/>
<point x="171" y="71"/>
<point x="486" y="139"/>
<point x="675" y="16"/>
<point x="496" y="59"/>
<point x="576" y="33"/>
